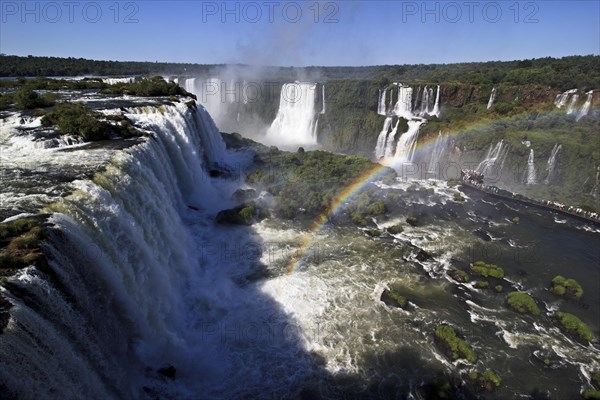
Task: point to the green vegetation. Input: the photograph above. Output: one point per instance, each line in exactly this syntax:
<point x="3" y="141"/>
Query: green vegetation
<point x="459" y="275"/>
<point x="373" y="232"/>
<point x="309" y="183"/>
<point x="523" y="303"/>
<point x="80" y="120"/>
<point x="487" y="270"/>
<point x="574" y="326"/>
<point x="148" y="87"/>
<point x="19" y="241"/>
<point x="246" y="214"/>
<point x="596" y="379"/>
<point x="27" y="99"/>
<point x="395" y="229"/>
<point x="411" y="220"/>
<point x="498" y="288"/>
<point x="482" y="284"/>
<point x="394" y="299"/>
<point x="454" y="346"/>
<point x="516" y="220"/>
<point x="570" y="287"/>
<point x="489" y="380"/>
<point x="458" y="196"/>
<point x="591" y="394"/>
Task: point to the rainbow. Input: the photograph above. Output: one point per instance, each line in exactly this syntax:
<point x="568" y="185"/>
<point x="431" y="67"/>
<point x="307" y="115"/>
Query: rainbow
<point x="357" y="184"/>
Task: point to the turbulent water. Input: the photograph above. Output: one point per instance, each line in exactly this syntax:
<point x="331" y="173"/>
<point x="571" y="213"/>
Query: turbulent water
<point x="141" y="278"/>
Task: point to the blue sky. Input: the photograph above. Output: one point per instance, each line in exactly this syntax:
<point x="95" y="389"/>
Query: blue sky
<point x="301" y="32"/>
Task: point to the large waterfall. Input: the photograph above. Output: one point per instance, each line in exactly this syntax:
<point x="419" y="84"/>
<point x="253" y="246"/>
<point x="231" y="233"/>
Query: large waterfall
<point x="296" y="118"/>
<point x="551" y="164"/>
<point x="140" y="279"/>
<point x="561" y="98"/>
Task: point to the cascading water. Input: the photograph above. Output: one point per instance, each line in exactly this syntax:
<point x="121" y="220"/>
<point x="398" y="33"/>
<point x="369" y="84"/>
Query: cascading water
<point x="403" y="106"/>
<point x="425" y="102"/>
<point x="407" y="142"/>
<point x="585" y="109"/>
<point x="295" y="120"/>
<point x="381" y="110"/>
<point x="389" y="147"/>
<point x="324" y="109"/>
<point x="551" y="164"/>
<point x="437" y="154"/>
<point x="572" y="104"/>
<point x="493" y="162"/>
<point x="561" y="98"/>
<point x="382" y="138"/>
<point x="436" y="106"/>
<point x="594" y="192"/>
<point x="531" y="174"/>
<point x="492" y="99"/>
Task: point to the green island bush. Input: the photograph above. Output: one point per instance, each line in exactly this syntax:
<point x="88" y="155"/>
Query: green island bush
<point x="522" y="303"/>
<point x="393" y="298"/>
<point x="574" y="326"/>
<point x="499" y="288"/>
<point x="80" y="120"/>
<point x="458" y="196"/>
<point x="489" y="380"/>
<point x="148" y="87"/>
<point x="26" y="98"/>
<point x="562" y="286"/>
<point x="459" y="275"/>
<point x="591" y="394"/>
<point x="373" y="232"/>
<point x="487" y="270"/>
<point x="596" y="379"/>
<point x="454" y="346"/>
<point x="395" y="229"/>
<point x="482" y="284"/>
<point x="516" y="220"/>
<point x="411" y="220"/>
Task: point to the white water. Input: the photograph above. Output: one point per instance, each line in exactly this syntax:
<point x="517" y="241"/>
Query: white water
<point x="594" y="191"/>
<point x="381" y="103"/>
<point x="572" y="104"/>
<point x="531" y="176"/>
<point x="113" y="81"/>
<point x="561" y="98"/>
<point x="436" y="106"/>
<point x="492" y="99"/>
<point x="382" y="138"/>
<point x="407" y="143"/>
<point x="389" y="147"/>
<point x="438" y="152"/>
<point x="295" y="120"/>
<point x="324" y="109"/>
<point x="493" y="162"/>
<point x="551" y="164"/>
<point x="425" y="102"/>
<point x="585" y="109"/>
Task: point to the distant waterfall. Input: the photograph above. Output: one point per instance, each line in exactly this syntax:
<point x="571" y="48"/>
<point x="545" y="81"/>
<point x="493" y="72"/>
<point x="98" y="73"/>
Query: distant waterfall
<point x="382" y="138"/>
<point x="407" y="142"/>
<point x="594" y="191"/>
<point x="323" y="110"/>
<point x="436" y="106"/>
<point x="492" y="99"/>
<point x="296" y="118"/>
<point x="403" y="106"/>
<point x="531" y="175"/>
<point x="561" y="98"/>
<point x="381" y="103"/>
<point x="585" y="109"/>
<point x="425" y="102"/>
<point x="494" y="160"/>
<point x="389" y="147"/>
<point x="438" y="151"/>
<point x="551" y="164"/>
<point x="572" y="104"/>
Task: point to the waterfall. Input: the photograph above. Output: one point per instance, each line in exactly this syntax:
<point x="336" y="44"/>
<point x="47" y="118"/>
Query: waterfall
<point x="438" y="151"/>
<point x="389" y="147"/>
<point x="403" y="106"/>
<point x="407" y="142"/>
<point x="436" y="106"/>
<point x="585" y="109"/>
<point x="561" y="99"/>
<point x="324" y="104"/>
<point x="294" y="123"/>
<point x="572" y="104"/>
<point x="492" y="99"/>
<point x="381" y="103"/>
<point x="425" y="102"/>
<point x="382" y="138"/>
<point x="530" y="176"/>
<point x="594" y="191"/>
<point x="494" y="159"/>
<point x="551" y="164"/>
<point x="124" y="262"/>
